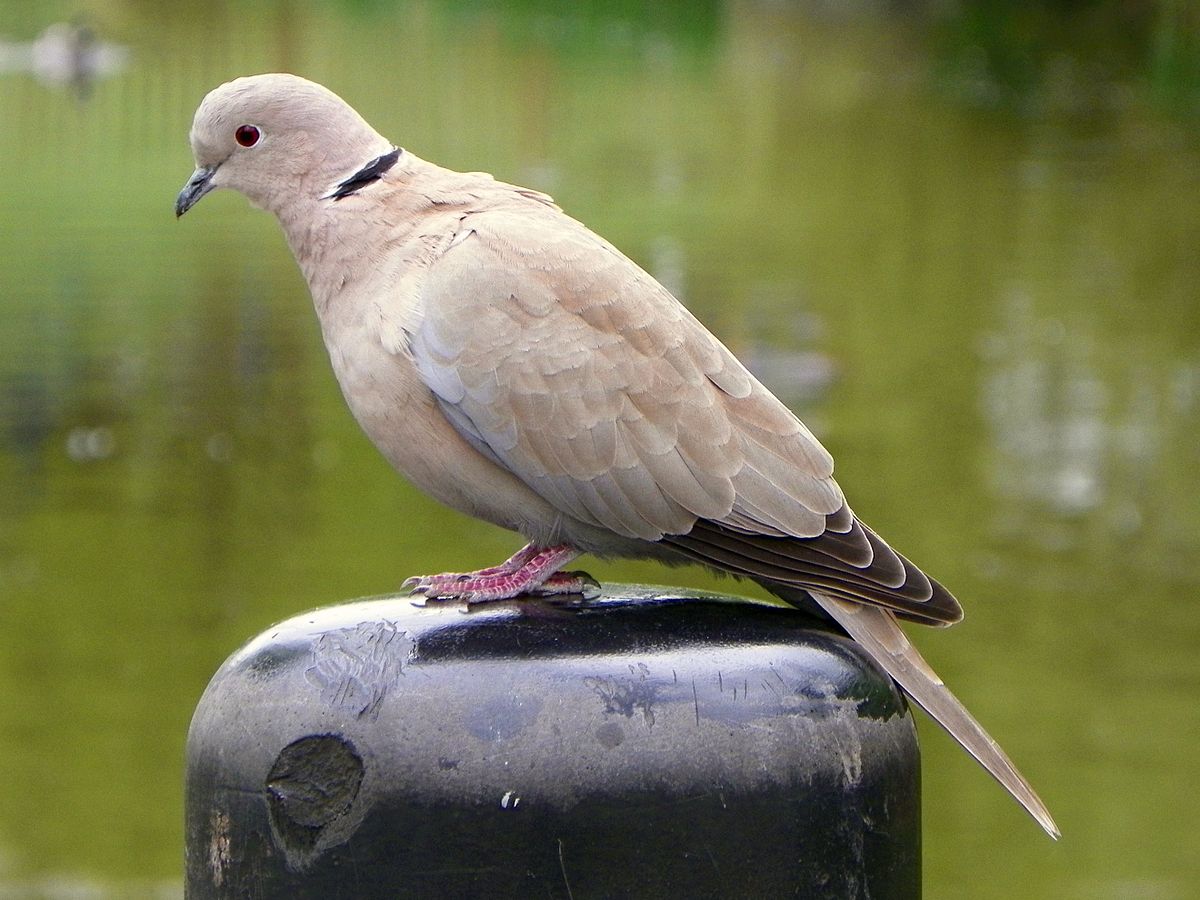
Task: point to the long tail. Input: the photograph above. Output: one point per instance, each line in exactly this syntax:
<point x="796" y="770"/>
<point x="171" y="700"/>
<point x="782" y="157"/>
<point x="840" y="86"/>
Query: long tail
<point x="876" y="629"/>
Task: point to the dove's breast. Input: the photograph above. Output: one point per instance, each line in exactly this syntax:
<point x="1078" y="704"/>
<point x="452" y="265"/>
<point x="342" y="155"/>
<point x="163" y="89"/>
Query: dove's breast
<point x="364" y="323"/>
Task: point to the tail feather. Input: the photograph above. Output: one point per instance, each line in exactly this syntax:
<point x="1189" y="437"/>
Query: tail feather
<point x="877" y="630"/>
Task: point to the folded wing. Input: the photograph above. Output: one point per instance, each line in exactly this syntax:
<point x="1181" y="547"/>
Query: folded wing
<point x="564" y="362"/>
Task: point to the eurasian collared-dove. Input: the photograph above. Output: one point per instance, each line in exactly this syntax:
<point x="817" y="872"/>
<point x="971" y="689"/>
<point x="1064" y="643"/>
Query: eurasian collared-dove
<point x="520" y="369"/>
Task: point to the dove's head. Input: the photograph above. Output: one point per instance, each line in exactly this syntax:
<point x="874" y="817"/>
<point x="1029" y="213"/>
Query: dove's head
<point x="275" y="138"/>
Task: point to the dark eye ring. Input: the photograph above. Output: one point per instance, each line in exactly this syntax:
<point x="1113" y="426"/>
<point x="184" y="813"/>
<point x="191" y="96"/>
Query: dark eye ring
<point x="247" y="135"/>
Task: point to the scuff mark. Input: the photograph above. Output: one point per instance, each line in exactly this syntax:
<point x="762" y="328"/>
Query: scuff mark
<point x="218" y="847"/>
<point x="355" y="668"/>
<point x="638" y="694"/>
<point x="562" y="864"/>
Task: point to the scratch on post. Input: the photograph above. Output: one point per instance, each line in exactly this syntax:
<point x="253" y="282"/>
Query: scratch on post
<point x="696" y="701"/>
<point x="562" y="864"/>
<point x="775" y="672"/>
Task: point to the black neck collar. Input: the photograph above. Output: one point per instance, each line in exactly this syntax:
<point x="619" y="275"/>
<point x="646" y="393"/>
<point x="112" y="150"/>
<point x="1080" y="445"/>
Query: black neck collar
<point x="371" y="172"/>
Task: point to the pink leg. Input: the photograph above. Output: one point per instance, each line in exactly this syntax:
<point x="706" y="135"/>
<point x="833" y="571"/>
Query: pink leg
<point x="531" y="570"/>
<point x="514" y="562"/>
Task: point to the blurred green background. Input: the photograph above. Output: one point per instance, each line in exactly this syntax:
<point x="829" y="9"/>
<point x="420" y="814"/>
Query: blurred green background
<point x="961" y="240"/>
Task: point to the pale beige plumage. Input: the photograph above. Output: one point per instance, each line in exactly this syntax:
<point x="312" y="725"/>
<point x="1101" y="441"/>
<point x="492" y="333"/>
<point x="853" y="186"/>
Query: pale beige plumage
<point x="520" y="369"/>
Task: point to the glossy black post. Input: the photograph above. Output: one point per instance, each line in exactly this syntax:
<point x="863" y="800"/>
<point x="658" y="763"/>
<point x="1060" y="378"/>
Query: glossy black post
<point x="646" y="744"/>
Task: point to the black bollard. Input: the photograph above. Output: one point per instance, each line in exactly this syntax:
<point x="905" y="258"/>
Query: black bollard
<point x="650" y="743"/>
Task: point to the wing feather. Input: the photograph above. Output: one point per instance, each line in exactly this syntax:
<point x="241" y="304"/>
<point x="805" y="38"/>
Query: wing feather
<point x="575" y="370"/>
<point x="582" y="364"/>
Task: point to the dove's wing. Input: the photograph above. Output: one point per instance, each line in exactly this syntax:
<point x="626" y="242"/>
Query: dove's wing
<point x="565" y="363"/>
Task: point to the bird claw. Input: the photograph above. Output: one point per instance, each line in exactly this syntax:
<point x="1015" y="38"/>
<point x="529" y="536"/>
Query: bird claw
<point x="473" y="587"/>
<point x="562" y="584"/>
<point x="531" y="570"/>
<point x="434" y="585"/>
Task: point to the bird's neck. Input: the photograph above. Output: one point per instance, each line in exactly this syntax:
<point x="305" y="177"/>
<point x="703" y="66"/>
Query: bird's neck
<point x="388" y="223"/>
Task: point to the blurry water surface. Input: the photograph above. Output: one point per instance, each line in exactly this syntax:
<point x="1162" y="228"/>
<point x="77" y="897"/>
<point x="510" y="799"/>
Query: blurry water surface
<point x="964" y="248"/>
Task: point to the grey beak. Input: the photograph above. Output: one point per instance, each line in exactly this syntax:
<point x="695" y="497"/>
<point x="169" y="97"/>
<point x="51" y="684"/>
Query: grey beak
<point x="198" y="185"/>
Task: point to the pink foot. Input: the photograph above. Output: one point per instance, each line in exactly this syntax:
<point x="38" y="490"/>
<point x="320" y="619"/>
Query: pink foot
<point x="531" y="570"/>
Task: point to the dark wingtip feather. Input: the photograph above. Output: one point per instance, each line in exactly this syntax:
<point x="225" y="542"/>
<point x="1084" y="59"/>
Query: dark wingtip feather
<point x="826" y="563"/>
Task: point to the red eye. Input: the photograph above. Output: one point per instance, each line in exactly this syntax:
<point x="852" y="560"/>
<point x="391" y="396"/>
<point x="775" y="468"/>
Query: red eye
<point x="247" y="135"/>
